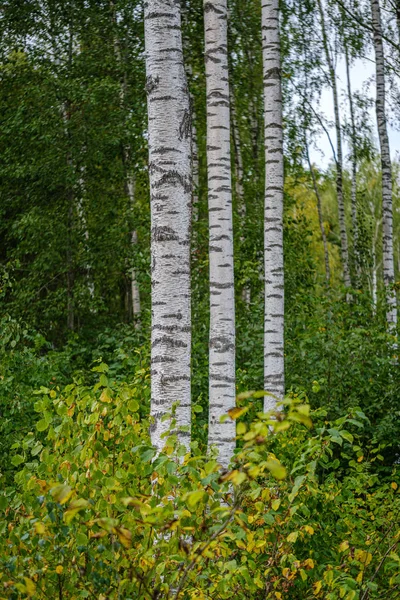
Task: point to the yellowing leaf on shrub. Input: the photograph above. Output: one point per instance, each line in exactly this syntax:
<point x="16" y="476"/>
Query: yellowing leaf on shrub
<point x="106" y="396"/>
<point x="40" y="528"/>
<point x="61" y="493"/>
<point x="317" y="587"/>
<point x="359" y="577"/>
<point x="237" y="477"/>
<point x="275" y="504"/>
<point x="351" y="595"/>
<point x="74" y="508"/>
<point x="59" y="569"/>
<point x="276" y="469"/>
<point x="193" y="498"/>
<point x="344" y="546"/>
<point x="309" y="563"/>
<point x="241" y="428"/>
<point x="124" y="536"/>
<point x="30" y="587"/>
<point x="292" y="537"/>
<point x="237" y="412"/>
<point x="363" y="556"/>
<point x="309" y="529"/>
<point x="394" y="485"/>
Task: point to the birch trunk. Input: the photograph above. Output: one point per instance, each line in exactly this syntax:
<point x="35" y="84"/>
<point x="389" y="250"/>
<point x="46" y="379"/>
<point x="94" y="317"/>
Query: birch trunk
<point x="387" y="204"/>
<point x="273" y="216"/>
<point x="354" y="215"/>
<point x="170" y="191"/>
<point x="238" y="159"/>
<point x="339" y="154"/>
<point x="320" y="217"/>
<point x="135" y="292"/>
<point x="222" y="299"/>
<point x="129" y="177"/>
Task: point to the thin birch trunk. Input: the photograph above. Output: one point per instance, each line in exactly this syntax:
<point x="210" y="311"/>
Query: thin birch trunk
<point x="320" y="217"/>
<point x="129" y="178"/>
<point x="170" y="200"/>
<point x="339" y="154"/>
<point x="387" y="203"/>
<point x="135" y="292"/>
<point x="354" y="211"/>
<point x="239" y="172"/>
<point x="273" y="217"/>
<point x="195" y="147"/>
<point x="222" y="299"/>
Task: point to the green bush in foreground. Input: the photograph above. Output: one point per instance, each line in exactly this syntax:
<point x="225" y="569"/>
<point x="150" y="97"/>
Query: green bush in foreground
<point x="94" y="514"/>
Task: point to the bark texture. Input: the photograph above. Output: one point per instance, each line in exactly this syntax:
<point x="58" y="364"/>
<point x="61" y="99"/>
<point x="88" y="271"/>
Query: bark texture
<point x="354" y="211"/>
<point x="170" y="198"/>
<point x="344" y="246"/>
<point x="273" y="215"/>
<point x="222" y="299"/>
<point x="387" y="203"/>
<point x="320" y="217"/>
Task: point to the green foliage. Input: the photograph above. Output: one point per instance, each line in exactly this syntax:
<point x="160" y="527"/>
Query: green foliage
<point x="94" y="513"/>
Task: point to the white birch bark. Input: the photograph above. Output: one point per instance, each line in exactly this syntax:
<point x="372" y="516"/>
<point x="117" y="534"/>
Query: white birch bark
<point x="222" y="299"/>
<point x="344" y="247"/>
<point x="239" y="172"/>
<point x="135" y="291"/>
<point x="273" y="216"/>
<point x="387" y="203"/>
<point x="354" y="212"/>
<point x="170" y="190"/>
<point x="320" y="217"/>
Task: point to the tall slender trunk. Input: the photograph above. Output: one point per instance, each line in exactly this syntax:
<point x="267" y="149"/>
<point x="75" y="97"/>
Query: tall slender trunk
<point x="397" y="9"/>
<point x="320" y="217"/>
<point x="195" y="147"/>
<point x="170" y="201"/>
<point x="387" y="204"/>
<point x="339" y="153"/>
<point x="135" y="292"/>
<point x="354" y="211"/>
<point x="129" y="176"/>
<point x="273" y="215"/>
<point x="239" y="173"/>
<point x="222" y="298"/>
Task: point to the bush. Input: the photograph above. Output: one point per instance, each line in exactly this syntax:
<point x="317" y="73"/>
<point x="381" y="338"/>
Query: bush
<point x="93" y="513"/>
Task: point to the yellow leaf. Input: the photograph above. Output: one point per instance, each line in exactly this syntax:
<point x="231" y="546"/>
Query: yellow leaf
<point x="309" y="529"/>
<point x="61" y="493"/>
<point x="106" y="396"/>
<point x="241" y="428"/>
<point x="394" y="485"/>
<point x="359" y="577"/>
<point x="317" y="587"/>
<point x="276" y="469"/>
<point x="292" y="537"/>
<point x="124" y="536"/>
<point x="59" y="569"/>
<point x="275" y="504"/>
<point x="351" y="595"/>
<point x="40" y="528"/>
<point x="278" y="595"/>
<point x="194" y="498"/>
<point x="237" y="412"/>
<point x="363" y="556"/>
<point x="74" y="508"/>
<point x="360" y="459"/>
<point x="344" y="546"/>
<point x="309" y="563"/>
<point x="30" y="587"/>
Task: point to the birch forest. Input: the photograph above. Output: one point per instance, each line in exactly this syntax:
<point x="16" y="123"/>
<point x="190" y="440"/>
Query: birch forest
<point x="199" y="284"/>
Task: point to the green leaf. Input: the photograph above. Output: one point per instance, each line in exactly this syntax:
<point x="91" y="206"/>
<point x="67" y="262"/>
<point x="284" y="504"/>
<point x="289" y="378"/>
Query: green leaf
<point x="42" y="425"/>
<point x="193" y="498"/>
<point x="61" y="493"/>
<point x="3" y="502"/>
<point x="17" y="460"/>
<point x="133" y="405"/>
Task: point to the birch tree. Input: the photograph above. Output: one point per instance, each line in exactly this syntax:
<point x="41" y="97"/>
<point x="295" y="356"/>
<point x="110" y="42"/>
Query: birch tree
<point x="170" y="199"/>
<point x="222" y="299"/>
<point x="273" y="216"/>
<point x="339" y="151"/>
<point x="387" y="202"/>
